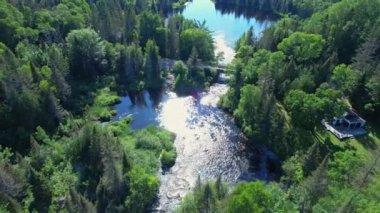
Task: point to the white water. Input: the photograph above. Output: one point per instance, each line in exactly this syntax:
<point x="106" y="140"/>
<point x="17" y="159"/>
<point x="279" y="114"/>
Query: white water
<point x="208" y="144"/>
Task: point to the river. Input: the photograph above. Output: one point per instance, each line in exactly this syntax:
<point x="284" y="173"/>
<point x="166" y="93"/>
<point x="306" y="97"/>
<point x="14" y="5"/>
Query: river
<point x="208" y="143"/>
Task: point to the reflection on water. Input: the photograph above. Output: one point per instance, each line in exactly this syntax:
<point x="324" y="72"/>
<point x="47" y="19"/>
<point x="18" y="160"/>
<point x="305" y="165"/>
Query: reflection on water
<point x="142" y="106"/>
<point x="208" y="143"/>
<point x="225" y="23"/>
<point x="245" y="12"/>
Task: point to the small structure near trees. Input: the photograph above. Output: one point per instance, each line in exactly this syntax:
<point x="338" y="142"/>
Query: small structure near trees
<point x="347" y="126"/>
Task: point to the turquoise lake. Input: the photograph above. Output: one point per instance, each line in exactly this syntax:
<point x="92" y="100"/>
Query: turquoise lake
<point x="227" y="27"/>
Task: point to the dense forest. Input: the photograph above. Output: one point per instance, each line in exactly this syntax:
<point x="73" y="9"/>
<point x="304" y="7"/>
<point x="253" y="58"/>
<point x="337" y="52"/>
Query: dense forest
<point x="320" y="59"/>
<point x="65" y="63"/>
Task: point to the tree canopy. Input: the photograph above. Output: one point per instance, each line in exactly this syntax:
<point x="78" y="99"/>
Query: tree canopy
<point x="65" y="63"/>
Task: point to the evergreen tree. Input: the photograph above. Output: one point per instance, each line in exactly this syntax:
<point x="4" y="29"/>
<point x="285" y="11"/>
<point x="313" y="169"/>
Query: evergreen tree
<point x="152" y="69"/>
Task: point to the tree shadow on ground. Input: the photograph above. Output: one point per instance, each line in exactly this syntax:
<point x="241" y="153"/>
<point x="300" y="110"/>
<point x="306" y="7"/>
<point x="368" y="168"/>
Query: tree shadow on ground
<point x="372" y="139"/>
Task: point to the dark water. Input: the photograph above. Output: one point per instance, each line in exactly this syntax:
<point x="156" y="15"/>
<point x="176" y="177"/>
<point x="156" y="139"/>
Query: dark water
<point x="208" y="143"/>
<point x="143" y="107"/>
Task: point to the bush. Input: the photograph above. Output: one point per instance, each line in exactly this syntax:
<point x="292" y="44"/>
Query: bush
<point x="102" y="107"/>
<point x="148" y="141"/>
<point x="168" y="158"/>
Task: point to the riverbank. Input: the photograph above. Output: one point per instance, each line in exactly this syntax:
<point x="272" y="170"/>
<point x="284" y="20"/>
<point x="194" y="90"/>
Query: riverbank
<point x="208" y="143"/>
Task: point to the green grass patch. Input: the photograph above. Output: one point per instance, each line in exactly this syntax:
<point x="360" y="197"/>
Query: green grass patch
<point x="361" y="144"/>
<point x="102" y="108"/>
<point x="147" y="148"/>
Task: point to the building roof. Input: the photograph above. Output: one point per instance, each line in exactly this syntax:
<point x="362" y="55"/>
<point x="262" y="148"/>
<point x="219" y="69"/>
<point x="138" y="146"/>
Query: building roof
<point x="353" y="117"/>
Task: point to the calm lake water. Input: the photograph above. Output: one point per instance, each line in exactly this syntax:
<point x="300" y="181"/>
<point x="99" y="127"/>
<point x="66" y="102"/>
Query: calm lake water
<point x="208" y="143"/>
<point x="226" y="24"/>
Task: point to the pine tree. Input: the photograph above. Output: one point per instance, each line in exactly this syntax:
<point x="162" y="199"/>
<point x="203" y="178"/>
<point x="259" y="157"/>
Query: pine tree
<point x="152" y="66"/>
<point x="75" y="202"/>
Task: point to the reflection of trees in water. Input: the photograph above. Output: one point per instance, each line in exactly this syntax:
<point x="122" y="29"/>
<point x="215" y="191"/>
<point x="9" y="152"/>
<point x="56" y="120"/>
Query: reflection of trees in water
<point x="156" y="96"/>
<point x="150" y="98"/>
<point x="246" y="12"/>
<point x="134" y="97"/>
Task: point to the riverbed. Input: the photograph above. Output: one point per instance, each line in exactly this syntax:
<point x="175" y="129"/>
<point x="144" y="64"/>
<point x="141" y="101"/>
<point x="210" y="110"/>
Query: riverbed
<point x="208" y="142"/>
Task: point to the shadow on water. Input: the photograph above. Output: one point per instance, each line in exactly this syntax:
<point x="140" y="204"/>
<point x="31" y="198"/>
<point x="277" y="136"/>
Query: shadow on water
<point x="147" y="98"/>
<point x="142" y="106"/>
<point x="246" y="12"/>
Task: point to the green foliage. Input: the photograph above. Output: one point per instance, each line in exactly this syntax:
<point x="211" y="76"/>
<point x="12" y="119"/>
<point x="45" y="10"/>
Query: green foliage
<point x="76" y="202"/>
<point x="249" y="197"/>
<point x="11" y="21"/>
<point x="345" y="78"/>
<point x="303" y="47"/>
<point x="130" y="66"/>
<point x="110" y="159"/>
<point x="366" y="201"/>
<point x="230" y="101"/>
<point x="86" y="52"/>
<point x="108" y="19"/>
<point x="284" y="27"/>
<point x="255" y="65"/>
<point x="143" y="188"/>
<point x="345" y="24"/>
<point x="256" y="197"/>
<point x="246" y="197"/>
<point x="52" y="64"/>
<point x="191" y="76"/>
<point x="56" y="180"/>
<point x="149" y="142"/>
<point x="31" y="94"/>
<point x="256" y="109"/>
<point x="182" y="76"/>
<point x="344" y="166"/>
<point x="152" y="70"/>
<point x="248" y="106"/>
<point x="149" y="24"/>
<point x="102" y="107"/>
<point x="168" y="158"/>
<point x="247" y="39"/>
<point x="307" y="110"/>
<point x="293" y="169"/>
<point x="14" y="186"/>
<point x="72" y="15"/>
<point x="279" y="98"/>
<point x="199" y="39"/>
<point x="159" y="142"/>
<point x="208" y="197"/>
<point x="175" y="25"/>
<point x="373" y="88"/>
